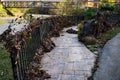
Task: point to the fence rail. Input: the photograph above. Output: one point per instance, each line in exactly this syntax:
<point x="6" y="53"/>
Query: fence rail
<point x="28" y="4"/>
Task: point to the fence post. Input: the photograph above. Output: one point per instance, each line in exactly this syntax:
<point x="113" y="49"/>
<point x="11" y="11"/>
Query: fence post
<point x="14" y="66"/>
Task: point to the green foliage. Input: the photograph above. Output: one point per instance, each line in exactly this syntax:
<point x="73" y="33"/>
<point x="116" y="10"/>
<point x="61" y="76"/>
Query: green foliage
<point x="116" y="8"/>
<point x="107" y="1"/>
<point x="92" y="47"/>
<point x="5" y="65"/>
<point x="110" y="34"/>
<point x="103" y="38"/>
<point x="108" y="5"/>
<point x="113" y="6"/>
<point x="29" y="11"/>
<point x="80" y="28"/>
<point x="89" y="13"/>
<point x="3" y="12"/>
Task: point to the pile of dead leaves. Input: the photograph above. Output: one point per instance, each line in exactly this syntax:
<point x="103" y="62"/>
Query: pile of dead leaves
<point x="48" y="44"/>
<point x="71" y="31"/>
<point x="35" y="70"/>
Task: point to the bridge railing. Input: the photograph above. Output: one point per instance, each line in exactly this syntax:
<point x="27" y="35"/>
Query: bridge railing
<point x="23" y="45"/>
<point x="28" y="4"/>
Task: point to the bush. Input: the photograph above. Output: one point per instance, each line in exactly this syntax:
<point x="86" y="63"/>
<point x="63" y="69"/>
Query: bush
<point x="29" y="11"/>
<point x="89" y="40"/>
<point x="80" y="28"/>
<point x="89" y="13"/>
<point x="109" y="7"/>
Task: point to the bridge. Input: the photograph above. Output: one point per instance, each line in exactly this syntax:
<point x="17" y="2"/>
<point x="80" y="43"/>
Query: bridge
<point x="30" y="3"/>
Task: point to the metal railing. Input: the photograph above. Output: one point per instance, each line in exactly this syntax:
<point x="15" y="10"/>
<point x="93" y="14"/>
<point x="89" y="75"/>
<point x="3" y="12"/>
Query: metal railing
<point x="28" y="4"/>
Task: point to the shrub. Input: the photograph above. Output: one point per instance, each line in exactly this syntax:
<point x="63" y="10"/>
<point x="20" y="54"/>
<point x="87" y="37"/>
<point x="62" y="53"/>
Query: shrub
<point x="109" y="7"/>
<point x="80" y="28"/>
<point x="89" y="40"/>
<point x="89" y="13"/>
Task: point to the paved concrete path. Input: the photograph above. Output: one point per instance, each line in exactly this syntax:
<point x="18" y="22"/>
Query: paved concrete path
<point x="69" y="60"/>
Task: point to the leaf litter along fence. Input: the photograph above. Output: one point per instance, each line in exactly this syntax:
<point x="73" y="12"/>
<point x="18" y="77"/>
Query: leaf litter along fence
<point x="27" y="47"/>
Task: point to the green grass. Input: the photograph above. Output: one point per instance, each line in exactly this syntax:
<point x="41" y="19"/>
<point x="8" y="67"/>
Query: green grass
<point x="107" y="36"/>
<point x="1" y="22"/>
<point x="3" y="12"/>
<point x="5" y="65"/>
<point x="110" y="34"/>
<point x="104" y="38"/>
<point x="14" y="11"/>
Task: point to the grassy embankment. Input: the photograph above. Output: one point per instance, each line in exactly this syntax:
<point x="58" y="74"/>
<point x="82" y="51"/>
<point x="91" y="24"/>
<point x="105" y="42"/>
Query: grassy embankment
<point x="5" y="65"/>
<point x="110" y="34"/>
<point x="101" y="41"/>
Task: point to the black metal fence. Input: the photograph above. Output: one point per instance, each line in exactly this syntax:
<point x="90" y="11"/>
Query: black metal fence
<point x="25" y="55"/>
